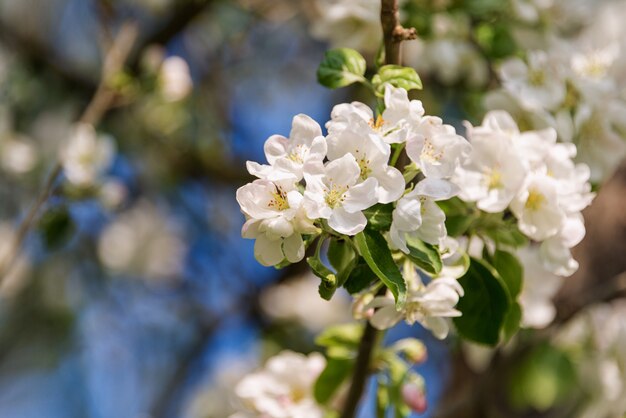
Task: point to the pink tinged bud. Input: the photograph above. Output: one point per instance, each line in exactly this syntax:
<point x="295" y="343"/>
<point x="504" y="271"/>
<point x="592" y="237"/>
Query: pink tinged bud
<point x="414" y="397"/>
<point x="359" y="304"/>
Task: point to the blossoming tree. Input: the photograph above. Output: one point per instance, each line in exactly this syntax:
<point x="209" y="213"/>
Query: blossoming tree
<point x="449" y="197"/>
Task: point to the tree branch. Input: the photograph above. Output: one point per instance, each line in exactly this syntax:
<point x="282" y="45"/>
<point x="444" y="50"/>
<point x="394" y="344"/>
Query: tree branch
<point x="100" y="103"/>
<point x="393" y="31"/>
<point x="361" y="371"/>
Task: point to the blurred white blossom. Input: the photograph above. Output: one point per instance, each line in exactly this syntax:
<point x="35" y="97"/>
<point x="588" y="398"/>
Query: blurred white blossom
<point x="539" y="287"/>
<point x="283" y="388"/>
<point x="86" y="155"/>
<point x="143" y="242"/>
<point x="349" y="23"/>
<point x="19" y="154"/>
<point x="596" y="340"/>
<point x="176" y="82"/>
<point x="298" y="300"/>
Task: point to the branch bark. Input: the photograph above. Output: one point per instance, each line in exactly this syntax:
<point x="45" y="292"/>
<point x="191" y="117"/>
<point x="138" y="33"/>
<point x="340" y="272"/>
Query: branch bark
<point x="100" y="103"/>
<point x="361" y="371"/>
<point x="393" y="31"/>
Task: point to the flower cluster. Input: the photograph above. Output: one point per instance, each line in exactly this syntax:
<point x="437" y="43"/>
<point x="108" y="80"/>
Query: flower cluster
<point x="573" y="85"/>
<point x="283" y="389"/>
<point x="532" y="177"/>
<point x="601" y="329"/>
<point x="313" y="181"/>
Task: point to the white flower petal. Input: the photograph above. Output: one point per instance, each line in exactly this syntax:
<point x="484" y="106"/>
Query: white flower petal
<point x="361" y="196"/>
<point x="390" y="185"/>
<point x="275" y="147"/>
<point x="293" y="247"/>
<point x="343" y="171"/>
<point x="268" y="253"/>
<point x="436" y="189"/>
<point x="385" y="317"/>
<point x="347" y="223"/>
<point x="303" y="127"/>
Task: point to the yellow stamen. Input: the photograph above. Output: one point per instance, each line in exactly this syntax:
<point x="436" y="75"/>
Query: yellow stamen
<point x="378" y="123"/>
<point x="535" y="200"/>
<point x="495" y="180"/>
<point x="279" y="200"/>
<point x="335" y="196"/>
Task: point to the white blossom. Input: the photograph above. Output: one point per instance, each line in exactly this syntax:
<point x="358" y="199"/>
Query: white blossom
<point x="349" y="23"/>
<point x="143" y="242"/>
<point x="298" y="300"/>
<point x="418" y="215"/>
<point x="537" y="208"/>
<point x="427" y="304"/>
<point x="86" y="155"/>
<point x="537" y="83"/>
<point x="18" y="154"/>
<point x="436" y="148"/>
<point x="539" y="287"/>
<point x="283" y="388"/>
<point x="289" y="156"/>
<point x="335" y="193"/>
<point x="372" y="155"/>
<point x="394" y="125"/>
<point x="275" y="218"/>
<point x="493" y="173"/>
<point x="176" y="82"/>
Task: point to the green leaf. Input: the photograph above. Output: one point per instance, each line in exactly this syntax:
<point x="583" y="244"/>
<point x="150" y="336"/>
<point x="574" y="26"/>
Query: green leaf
<point x="543" y="378"/>
<point x="397" y="76"/>
<point x="507" y="235"/>
<point x="376" y="253"/>
<point x="424" y="256"/>
<point x="342" y="257"/>
<point x="379" y="216"/>
<point x="484" y="305"/>
<point x="459" y="217"/>
<point x="329" y="280"/>
<point x="512" y="321"/>
<point x="510" y="270"/>
<point x="56" y="227"/>
<point x="341" y="67"/>
<point x="348" y="335"/>
<point x="359" y="278"/>
<point x="336" y="371"/>
<point x="457" y="225"/>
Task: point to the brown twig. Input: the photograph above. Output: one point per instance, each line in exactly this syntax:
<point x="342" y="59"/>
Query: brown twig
<point x="101" y="102"/>
<point x="393" y="31"/>
<point x="361" y="371"/>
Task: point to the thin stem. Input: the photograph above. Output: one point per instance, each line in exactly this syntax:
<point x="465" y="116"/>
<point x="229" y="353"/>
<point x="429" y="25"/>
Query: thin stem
<point x="393" y="31"/>
<point x="361" y="370"/>
<point x="100" y="103"/>
<point x="396" y="154"/>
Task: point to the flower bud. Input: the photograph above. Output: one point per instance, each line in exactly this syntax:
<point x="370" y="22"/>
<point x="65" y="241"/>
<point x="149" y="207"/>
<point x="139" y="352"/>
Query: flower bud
<point x="414" y="350"/>
<point x="414" y="397"/>
<point x="359" y="304"/>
